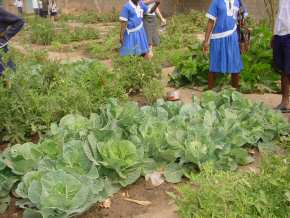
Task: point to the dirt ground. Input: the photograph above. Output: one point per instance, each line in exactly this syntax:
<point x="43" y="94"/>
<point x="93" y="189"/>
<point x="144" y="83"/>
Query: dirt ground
<point x="161" y="205"/>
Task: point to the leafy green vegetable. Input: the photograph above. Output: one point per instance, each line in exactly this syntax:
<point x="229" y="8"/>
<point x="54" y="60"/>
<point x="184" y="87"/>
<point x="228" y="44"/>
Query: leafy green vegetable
<point x="173" y="173"/>
<point x="82" y="160"/>
<point x="59" y="194"/>
<point x="21" y="158"/>
<point x="7" y="181"/>
<point x="122" y="157"/>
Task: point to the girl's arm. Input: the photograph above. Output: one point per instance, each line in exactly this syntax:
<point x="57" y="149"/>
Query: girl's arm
<point x="209" y="29"/>
<point x="159" y="14"/>
<point x="122" y="32"/>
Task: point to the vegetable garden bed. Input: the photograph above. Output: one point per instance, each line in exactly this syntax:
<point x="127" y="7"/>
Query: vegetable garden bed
<point x="83" y="161"/>
<point x="94" y="142"/>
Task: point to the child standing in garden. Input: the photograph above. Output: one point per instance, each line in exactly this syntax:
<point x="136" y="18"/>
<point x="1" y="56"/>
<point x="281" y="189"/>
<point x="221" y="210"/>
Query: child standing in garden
<point x="19" y="5"/>
<point x="221" y="39"/>
<point x="35" y="5"/>
<point x="281" y="51"/>
<point x="151" y="25"/>
<point x="43" y="8"/>
<point x="53" y="11"/>
<point x="133" y="37"/>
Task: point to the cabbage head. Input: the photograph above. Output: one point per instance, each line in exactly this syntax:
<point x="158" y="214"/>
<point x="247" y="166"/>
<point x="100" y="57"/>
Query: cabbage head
<point x="123" y="158"/>
<point x="58" y="194"/>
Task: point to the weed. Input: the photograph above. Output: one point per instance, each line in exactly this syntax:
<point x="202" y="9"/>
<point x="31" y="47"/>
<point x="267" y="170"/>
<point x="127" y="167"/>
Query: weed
<point x="220" y="194"/>
<point x="153" y="90"/>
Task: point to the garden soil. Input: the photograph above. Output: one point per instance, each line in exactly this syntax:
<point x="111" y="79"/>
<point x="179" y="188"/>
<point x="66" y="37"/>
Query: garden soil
<point x="161" y="205"/>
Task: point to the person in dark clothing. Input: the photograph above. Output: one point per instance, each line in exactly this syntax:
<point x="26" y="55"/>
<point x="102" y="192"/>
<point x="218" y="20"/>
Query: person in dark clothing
<point x="44" y="8"/>
<point x="10" y="25"/>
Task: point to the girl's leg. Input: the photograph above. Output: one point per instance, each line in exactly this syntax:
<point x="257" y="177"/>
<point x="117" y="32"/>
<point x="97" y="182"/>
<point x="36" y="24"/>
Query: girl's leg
<point x="150" y="51"/>
<point x="285" y="83"/>
<point x="147" y="56"/>
<point x="210" y="81"/>
<point x="235" y="80"/>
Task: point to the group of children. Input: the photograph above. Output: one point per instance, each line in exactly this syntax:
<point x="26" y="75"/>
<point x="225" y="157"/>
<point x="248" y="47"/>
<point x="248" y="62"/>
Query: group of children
<point x="42" y="8"/>
<point x="139" y="33"/>
<point x="223" y="38"/>
<point x="139" y="27"/>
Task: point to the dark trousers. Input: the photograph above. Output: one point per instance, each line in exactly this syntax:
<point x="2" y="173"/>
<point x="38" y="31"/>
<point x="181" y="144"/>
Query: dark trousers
<point x="281" y="53"/>
<point x="20" y="11"/>
<point x="36" y="11"/>
<point x="43" y="13"/>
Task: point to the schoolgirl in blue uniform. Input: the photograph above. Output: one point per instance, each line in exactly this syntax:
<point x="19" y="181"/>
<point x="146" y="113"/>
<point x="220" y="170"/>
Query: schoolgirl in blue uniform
<point x="133" y="37"/>
<point x="222" y="40"/>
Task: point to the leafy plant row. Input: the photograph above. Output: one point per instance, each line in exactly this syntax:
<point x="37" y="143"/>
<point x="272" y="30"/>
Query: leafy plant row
<point x="43" y="91"/>
<point x="91" y="17"/>
<point x="84" y="160"/>
<point x="44" y="32"/>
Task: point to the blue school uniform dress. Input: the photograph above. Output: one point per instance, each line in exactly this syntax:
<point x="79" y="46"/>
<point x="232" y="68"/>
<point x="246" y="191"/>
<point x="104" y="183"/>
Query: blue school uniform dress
<point x="135" y="38"/>
<point x="225" y="56"/>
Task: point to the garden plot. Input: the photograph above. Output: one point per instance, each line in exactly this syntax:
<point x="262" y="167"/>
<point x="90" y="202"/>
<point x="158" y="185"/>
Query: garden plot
<point x="122" y="142"/>
<point x="67" y="42"/>
<point x="96" y="145"/>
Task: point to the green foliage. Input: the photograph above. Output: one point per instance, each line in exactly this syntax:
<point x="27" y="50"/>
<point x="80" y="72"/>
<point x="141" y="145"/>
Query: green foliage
<point x="42" y="93"/>
<point x="123" y="158"/>
<point x="179" y="32"/>
<point x="189" y="23"/>
<point x="136" y="72"/>
<point x="91" y="17"/>
<point x="7" y="181"/>
<point x="44" y="32"/>
<point x="222" y="194"/>
<point x="82" y="160"/>
<point x="107" y="49"/>
<point x="191" y="68"/>
<point x="259" y="74"/>
<point x="153" y="90"/>
<point x="178" y="35"/>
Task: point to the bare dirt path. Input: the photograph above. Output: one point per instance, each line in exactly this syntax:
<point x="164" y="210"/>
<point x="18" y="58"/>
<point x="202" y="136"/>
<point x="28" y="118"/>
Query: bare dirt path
<point x="161" y="204"/>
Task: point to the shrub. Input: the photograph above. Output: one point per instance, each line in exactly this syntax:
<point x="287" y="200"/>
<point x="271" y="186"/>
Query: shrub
<point x="222" y="194"/>
<point x="41" y="93"/>
<point x="153" y="90"/>
<point x="136" y="72"/>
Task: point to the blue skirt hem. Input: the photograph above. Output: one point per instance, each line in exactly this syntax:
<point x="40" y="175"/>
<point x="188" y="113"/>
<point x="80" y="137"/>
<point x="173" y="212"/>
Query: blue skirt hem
<point x="135" y="43"/>
<point x="225" y="56"/>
